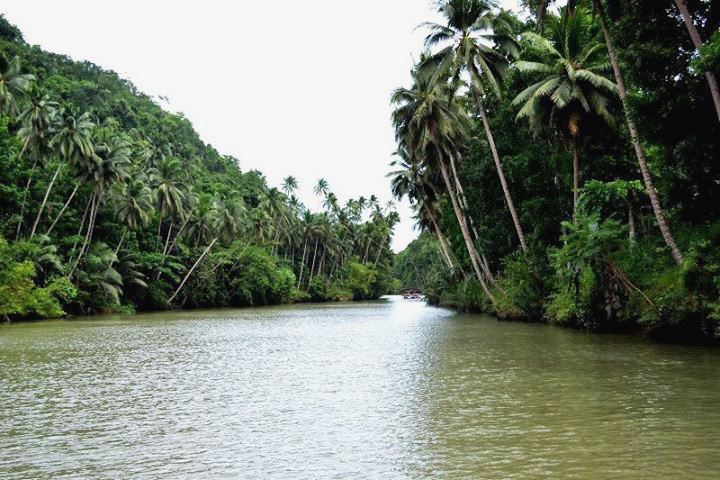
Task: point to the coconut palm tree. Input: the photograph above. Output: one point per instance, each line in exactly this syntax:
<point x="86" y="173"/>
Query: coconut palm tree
<point x="477" y="42"/>
<point x="36" y="119"/>
<point x="108" y="164"/>
<point x="12" y="83"/>
<point x="431" y="125"/>
<point x="133" y="202"/>
<point x="409" y="179"/>
<point x="72" y="140"/>
<point x="169" y="183"/>
<point x="697" y="41"/>
<point x="321" y="188"/>
<point x="290" y="184"/>
<point x="666" y="233"/>
<point x="573" y="89"/>
<point x="226" y="221"/>
<point x="635" y="138"/>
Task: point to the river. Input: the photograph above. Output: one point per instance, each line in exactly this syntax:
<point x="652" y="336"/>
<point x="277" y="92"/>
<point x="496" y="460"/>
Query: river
<point x="387" y="389"/>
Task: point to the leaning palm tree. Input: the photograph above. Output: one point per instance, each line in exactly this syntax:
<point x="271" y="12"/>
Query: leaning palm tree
<point x="573" y="88"/>
<point x="409" y="179"/>
<point x="476" y="42"/>
<point x="431" y="125"/>
<point x="599" y="10"/>
<point x="226" y="217"/>
<point x="698" y="43"/>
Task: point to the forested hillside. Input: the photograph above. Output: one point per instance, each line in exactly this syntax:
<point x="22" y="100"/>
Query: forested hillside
<point x="567" y="168"/>
<point x="109" y="203"/>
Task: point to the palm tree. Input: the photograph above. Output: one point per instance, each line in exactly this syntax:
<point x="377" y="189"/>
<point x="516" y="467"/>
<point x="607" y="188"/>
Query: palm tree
<point x="635" y="139"/>
<point x="477" y="42"/>
<point x="133" y="202"/>
<point x="411" y="180"/>
<point x="665" y="232"/>
<point x="431" y="125"/>
<point x="108" y="164"/>
<point x="169" y="183"/>
<point x="226" y="217"/>
<point x="572" y="90"/>
<point x="35" y="120"/>
<point x="72" y="140"/>
<point x="12" y="84"/>
<point x="697" y="41"/>
<point x="321" y="188"/>
<point x="290" y="184"/>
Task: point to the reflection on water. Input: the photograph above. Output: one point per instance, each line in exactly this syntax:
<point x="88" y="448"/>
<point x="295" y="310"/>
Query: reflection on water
<point x="389" y="389"/>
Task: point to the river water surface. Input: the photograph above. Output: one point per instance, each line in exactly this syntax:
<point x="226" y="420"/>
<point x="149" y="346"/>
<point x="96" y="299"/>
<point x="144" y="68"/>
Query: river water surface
<point x="389" y="389"/>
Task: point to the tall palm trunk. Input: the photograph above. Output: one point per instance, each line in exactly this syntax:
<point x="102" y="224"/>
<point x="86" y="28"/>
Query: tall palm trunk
<point x="77" y="235"/>
<point x="62" y="210"/>
<point x="380" y="249"/>
<point x="44" y="202"/>
<point x="167" y="238"/>
<point x="302" y="263"/>
<point x="179" y="232"/>
<point x="501" y="174"/>
<point x="24" y="200"/>
<point x="312" y="268"/>
<point x="441" y="239"/>
<point x="576" y="177"/>
<point x="635" y="139"/>
<point x="472" y="251"/>
<point x="86" y="241"/>
<point x="697" y="41"/>
<point x="197" y="262"/>
<point x="466" y="213"/>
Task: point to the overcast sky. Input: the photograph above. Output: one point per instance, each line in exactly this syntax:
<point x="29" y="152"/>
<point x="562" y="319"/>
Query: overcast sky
<point x="288" y="87"/>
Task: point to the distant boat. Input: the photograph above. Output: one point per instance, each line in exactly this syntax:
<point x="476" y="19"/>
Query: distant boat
<point x="412" y="294"/>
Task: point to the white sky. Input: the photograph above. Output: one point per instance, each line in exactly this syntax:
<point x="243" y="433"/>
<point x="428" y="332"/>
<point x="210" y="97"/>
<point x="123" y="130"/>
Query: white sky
<point x="289" y="87"/>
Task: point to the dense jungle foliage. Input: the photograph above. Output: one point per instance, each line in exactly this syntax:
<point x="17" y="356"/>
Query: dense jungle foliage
<point x="109" y="203"/>
<point x="565" y="168"/>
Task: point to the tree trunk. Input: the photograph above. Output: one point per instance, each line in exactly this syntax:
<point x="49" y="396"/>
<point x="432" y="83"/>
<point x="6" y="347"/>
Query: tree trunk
<point x="62" y="210"/>
<point x="466" y="213"/>
<point x="463" y="227"/>
<point x="82" y="225"/>
<point x="312" y="268"/>
<point x="441" y="239"/>
<point x="697" y="41"/>
<point x="117" y="249"/>
<point x="167" y="238"/>
<point x="632" y="232"/>
<point x="635" y="139"/>
<point x="501" y="174"/>
<point x="576" y="178"/>
<point x="86" y="241"/>
<point x="24" y="197"/>
<point x="302" y="264"/>
<point x="179" y="232"/>
<point x="380" y="249"/>
<point x="182" y="284"/>
<point x="44" y="202"/>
